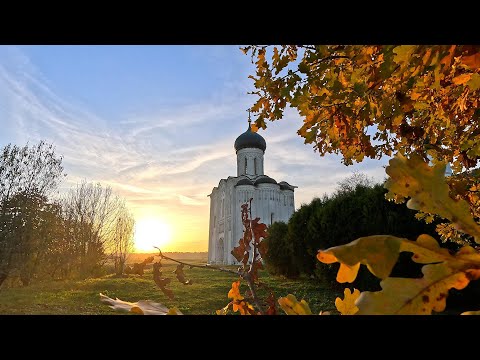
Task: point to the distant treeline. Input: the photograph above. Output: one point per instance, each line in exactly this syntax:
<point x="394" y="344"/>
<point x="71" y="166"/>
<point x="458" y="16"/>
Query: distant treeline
<point x="43" y="235"/>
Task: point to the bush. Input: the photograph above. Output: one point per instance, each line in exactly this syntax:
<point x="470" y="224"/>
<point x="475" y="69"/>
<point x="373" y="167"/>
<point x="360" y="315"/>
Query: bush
<point x="279" y="258"/>
<point x="358" y="208"/>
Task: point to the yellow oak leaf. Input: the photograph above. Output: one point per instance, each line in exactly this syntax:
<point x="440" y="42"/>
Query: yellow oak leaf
<point x="404" y="296"/>
<point x="403" y="53"/>
<point x="426" y="250"/>
<point x="428" y="191"/>
<point x="347" y="305"/>
<point x="378" y="252"/>
<point x="292" y="306"/>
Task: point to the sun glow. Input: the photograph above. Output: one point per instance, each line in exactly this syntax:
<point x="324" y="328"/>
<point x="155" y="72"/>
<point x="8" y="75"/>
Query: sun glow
<point x="150" y="232"/>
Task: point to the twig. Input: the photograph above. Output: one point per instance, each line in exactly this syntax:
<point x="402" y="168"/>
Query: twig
<point x="206" y="266"/>
<point x="248" y="277"/>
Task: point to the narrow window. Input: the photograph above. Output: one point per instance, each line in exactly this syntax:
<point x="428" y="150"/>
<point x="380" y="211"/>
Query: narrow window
<point x="245" y="165"/>
<point x="255" y="165"/>
<point x="271" y="218"/>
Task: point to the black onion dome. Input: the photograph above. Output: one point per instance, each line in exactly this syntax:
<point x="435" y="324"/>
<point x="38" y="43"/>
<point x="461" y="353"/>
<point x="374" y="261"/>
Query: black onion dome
<point x="264" y="179"/>
<point x="244" y="181"/>
<point x="250" y="139"/>
<point x="285" y="186"/>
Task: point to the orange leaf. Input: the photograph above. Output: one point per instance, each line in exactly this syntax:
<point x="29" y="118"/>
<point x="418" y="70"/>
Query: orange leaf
<point x="473" y="61"/>
<point x="234" y="292"/>
<point x="461" y="79"/>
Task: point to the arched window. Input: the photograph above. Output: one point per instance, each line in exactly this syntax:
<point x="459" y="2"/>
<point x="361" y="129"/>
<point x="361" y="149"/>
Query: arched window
<point x="255" y="165"/>
<point x="245" y="165"/>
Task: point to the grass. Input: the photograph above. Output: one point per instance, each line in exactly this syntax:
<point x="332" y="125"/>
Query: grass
<point x="207" y="293"/>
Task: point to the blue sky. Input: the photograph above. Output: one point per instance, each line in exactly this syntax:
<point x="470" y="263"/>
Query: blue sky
<point x="157" y="123"/>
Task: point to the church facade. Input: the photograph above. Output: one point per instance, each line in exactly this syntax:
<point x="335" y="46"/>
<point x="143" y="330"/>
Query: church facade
<point x="272" y="200"/>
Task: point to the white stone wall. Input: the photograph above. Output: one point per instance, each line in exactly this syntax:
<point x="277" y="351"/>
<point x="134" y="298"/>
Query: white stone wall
<point x="227" y="225"/>
<point x="254" y="161"/>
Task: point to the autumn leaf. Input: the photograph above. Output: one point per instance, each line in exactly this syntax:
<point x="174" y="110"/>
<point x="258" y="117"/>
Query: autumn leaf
<point x="259" y="230"/>
<point x="428" y="191"/>
<point x="403" y="53"/>
<point x="272" y="306"/>
<point x="461" y="79"/>
<point x="162" y="282"/>
<point x="408" y="296"/>
<point x="234" y="292"/>
<point x="244" y="307"/>
<point x="378" y="252"/>
<point x="224" y="310"/>
<point x="142" y="307"/>
<point x="347" y="305"/>
<point x="473" y="61"/>
<point x="291" y="306"/>
<point x="238" y="252"/>
<point x="474" y="82"/>
<point x="471" y="313"/>
<point x="181" y="275"/>
<point x="413" y="296"/>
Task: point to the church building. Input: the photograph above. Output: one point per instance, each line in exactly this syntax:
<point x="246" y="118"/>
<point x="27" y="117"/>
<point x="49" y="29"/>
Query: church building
<point x="272" y="200"/>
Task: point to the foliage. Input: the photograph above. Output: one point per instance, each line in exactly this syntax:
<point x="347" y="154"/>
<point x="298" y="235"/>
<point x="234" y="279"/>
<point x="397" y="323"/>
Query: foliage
<point x="347" y="305"/>
<point x="292" y="306"/>
<point x="374" y="100"/>
<point x="353" y="211"/>
<point x="139" y="268"/>
<point x="250" y="251"/>
<point x="45" y="236"/>
<point x="367" y="101"/>
<point x="280" y="256"/>
<point x="443" y="270"/>
<point x="27" y="176"/>
<point x="411" y="98"/>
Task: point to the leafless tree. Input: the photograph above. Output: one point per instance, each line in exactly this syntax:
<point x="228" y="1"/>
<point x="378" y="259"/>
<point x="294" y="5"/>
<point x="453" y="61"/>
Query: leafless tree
<point x="356" y="179"/>
<point x="91" y="212"/>
<point x="122" y="244"/>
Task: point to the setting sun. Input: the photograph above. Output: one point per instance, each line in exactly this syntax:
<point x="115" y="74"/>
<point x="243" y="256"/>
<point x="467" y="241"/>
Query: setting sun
<point x="150" y="232"/>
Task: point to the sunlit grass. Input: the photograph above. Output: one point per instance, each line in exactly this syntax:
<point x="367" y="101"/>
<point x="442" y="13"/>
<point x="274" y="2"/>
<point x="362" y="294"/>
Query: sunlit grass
<point x="207" y="294"/>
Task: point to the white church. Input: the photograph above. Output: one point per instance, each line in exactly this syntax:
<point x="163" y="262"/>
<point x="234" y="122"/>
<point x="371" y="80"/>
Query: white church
<point x="272" y="200"/>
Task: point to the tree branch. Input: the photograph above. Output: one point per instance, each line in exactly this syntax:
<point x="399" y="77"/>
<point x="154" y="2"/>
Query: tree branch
<point x="206" y="266"/>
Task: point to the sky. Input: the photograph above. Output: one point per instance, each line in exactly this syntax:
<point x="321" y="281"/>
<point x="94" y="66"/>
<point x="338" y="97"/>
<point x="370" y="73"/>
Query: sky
<point x="157" y="124"/>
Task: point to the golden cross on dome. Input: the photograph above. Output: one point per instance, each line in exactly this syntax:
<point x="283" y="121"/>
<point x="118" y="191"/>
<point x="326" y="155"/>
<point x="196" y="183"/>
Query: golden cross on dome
<point x="249" y="120"/>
